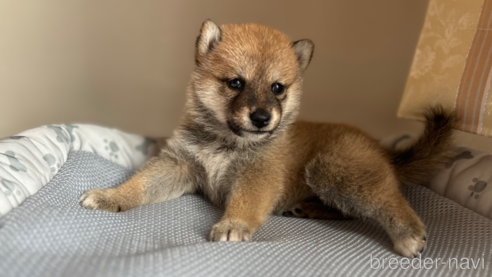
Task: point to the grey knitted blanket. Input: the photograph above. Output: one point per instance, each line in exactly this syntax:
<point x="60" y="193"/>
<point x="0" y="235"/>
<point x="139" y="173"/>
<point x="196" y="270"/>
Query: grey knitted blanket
<point x="51" y="235"/>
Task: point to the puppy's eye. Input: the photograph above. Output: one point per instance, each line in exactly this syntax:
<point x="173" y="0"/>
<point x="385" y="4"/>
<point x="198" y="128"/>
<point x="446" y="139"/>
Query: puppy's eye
<point x="235" y="84"/>
<point x="278" y="88"/>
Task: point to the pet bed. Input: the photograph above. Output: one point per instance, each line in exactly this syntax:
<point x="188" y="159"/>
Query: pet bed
<point x="45" y="232"/>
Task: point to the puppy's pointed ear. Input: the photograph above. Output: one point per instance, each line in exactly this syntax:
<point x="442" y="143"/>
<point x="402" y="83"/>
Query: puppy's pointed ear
<point x="304" y="49"/>
<point x="210" y="36"/>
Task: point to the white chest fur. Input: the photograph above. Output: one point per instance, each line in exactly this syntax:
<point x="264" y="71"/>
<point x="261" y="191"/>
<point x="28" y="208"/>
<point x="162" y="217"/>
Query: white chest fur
<point x="217" y="165"/>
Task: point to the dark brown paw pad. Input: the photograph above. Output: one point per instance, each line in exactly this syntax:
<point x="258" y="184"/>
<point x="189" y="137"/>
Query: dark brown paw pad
<point x="295" y="212"/>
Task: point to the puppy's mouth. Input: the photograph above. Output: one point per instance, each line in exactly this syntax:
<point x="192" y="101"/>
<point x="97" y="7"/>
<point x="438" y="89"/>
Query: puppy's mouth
<point x="258" y="132"/>
<point x="236" y="129"/>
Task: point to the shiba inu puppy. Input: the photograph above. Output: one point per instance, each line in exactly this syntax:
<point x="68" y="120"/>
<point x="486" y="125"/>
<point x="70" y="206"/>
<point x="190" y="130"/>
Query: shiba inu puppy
<point x="239" y="145"/>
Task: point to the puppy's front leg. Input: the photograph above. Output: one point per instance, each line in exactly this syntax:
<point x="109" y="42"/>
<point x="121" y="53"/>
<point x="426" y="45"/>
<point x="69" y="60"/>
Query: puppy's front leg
<point x="253" y="198"/>
<point x="162" y="178"/>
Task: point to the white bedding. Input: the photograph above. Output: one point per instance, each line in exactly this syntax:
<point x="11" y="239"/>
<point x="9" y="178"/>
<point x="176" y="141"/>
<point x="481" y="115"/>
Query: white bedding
<point x="29" y="160"/>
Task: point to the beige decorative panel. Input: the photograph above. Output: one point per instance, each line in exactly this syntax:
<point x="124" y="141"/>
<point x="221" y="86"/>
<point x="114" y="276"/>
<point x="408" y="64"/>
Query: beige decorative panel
<point x="452" y="64"/>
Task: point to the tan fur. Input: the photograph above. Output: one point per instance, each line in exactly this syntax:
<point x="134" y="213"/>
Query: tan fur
<point x="252" y="200"/>
<point x="285" y="167"/>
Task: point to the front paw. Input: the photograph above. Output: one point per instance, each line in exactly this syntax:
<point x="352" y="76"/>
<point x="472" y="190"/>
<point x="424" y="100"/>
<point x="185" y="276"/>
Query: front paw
<point x="98" y="199"/>
<point x="230" y="230"/>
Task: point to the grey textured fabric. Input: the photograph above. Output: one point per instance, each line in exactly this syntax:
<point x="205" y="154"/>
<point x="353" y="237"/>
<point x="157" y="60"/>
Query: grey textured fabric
<point x="51" y="235"/>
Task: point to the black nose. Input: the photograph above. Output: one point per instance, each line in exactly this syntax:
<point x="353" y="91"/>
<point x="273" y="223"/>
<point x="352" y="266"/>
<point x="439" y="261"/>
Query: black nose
<point x="260" y="118"/>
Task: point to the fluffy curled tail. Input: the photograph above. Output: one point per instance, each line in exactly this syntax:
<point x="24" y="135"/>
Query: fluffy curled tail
<point x="418" y="163"/>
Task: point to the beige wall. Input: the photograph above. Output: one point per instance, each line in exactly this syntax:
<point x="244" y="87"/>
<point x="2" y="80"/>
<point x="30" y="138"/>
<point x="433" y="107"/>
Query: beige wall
<point x="126" y="63"/>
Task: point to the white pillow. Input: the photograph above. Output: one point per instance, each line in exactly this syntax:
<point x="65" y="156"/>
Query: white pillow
<point x="467" y="180"/>
<point x="29" y="160"/>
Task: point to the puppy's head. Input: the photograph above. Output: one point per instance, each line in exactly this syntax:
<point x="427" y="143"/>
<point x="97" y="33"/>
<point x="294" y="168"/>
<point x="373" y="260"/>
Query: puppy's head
<point x="248" y="78"/>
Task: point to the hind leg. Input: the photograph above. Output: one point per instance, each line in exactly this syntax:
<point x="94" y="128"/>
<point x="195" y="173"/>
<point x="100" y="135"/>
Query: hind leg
<point x="360" y="182"/>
